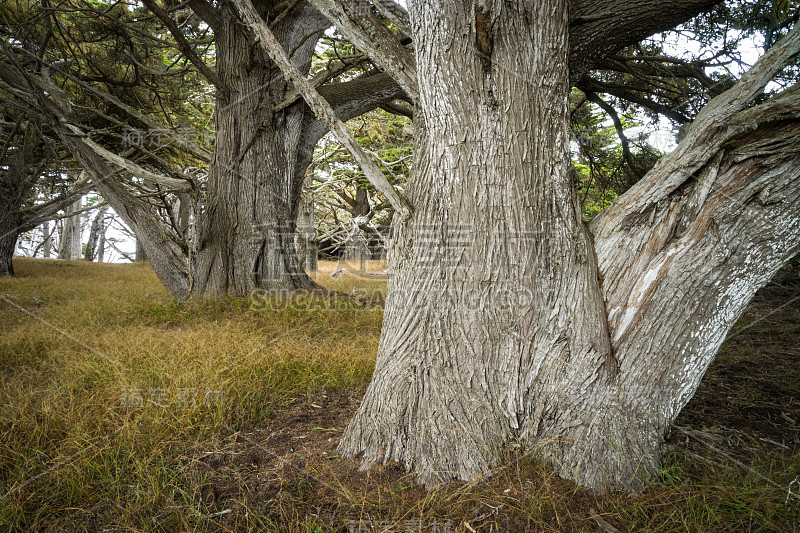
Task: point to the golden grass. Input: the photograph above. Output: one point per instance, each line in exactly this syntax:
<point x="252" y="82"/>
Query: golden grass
<point x="109" y="390"/>
<point x="83" y="344"/>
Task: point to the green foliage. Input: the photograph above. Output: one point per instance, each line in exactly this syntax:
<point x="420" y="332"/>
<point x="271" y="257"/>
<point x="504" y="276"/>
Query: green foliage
<point x="387" y="137"/>
<point x="600" y="171"/>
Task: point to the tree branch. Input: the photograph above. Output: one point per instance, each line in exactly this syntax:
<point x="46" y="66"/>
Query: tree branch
<point x="395" y="13"/>
<point x="358" y="22"/>
<point x="589" y="85"/>
<point x="208" y="13"/>
<point x="328" y="73"/>
<point x="714" y="126"/>
<point x="185" y="47"/>
<point x="626" y="148"/>
<point x="319" y="105"/>
<point x="354" y="98"/>
<point x="600" y="28"/>
<point x="130" y="166"/>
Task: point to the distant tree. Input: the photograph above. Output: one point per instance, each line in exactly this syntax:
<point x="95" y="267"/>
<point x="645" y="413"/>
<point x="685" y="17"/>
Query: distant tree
<point x="97" y="100"/>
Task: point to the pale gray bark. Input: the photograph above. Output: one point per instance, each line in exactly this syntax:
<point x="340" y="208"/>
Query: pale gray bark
<point x="101" y="245"/>
<point x="47" y="237"/>
<point x="70" y="242"/>
<point x="683" y="252"/>
<point x="360" y="25"/>
<point x="306" y="229"/>
<point x="499" y="313"/>
<point x="94" y="234"/>
<point x="461" y="370"/>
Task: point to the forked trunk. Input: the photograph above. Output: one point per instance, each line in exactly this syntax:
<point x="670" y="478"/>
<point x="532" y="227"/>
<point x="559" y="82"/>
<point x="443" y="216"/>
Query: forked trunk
<point x="497" y="327"/>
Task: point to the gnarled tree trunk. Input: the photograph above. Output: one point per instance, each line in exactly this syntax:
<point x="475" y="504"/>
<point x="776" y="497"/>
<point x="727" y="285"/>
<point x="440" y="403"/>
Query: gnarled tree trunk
<point x="495" y="323"/>
<point x="9" y="231"/>
<point x="254" y="185"/>
<point x="499" y="326"/>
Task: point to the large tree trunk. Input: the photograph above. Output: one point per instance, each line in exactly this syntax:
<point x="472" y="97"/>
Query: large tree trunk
<point x="496" y="328"/>
<point x="684" y="251"/>
<point x="254" y="181"/>
<point x="15" y="187"/>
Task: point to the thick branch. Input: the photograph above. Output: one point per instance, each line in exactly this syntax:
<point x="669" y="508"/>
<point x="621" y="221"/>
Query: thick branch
<point x="599" y="28"/>
<point x="354" y="98"/>
<point x="395" y="13"/>
<point x="130" y="166"/>
<point x="589" y="85"/>
<point x="328" y="73"/>
<point x="208" y="13"/>
<point x="659" y="221"/>
<point x="711" y="129"/>
<point x="359" y="24"/>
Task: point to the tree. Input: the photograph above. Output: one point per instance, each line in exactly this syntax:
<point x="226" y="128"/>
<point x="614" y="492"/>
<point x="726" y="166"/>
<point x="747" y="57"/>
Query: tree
<point x="32" y="188"/>
<point x="507" y="319"/>
<point x="241" y="228"/>
<point x="20" y="161"/>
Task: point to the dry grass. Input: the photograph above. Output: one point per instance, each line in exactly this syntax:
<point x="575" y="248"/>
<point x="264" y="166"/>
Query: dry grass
<point x="121" y="410"/>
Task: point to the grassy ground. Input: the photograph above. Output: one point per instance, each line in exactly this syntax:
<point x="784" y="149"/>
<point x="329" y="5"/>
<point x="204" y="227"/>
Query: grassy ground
<point x="123" y="411"/>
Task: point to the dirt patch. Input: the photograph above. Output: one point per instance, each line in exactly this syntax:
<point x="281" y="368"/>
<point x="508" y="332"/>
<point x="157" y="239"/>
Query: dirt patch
<point x="292" y="463"/>
<point x="750" y="396"/>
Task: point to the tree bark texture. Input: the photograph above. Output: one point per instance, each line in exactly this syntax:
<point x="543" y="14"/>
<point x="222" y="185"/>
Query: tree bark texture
<point x="495" y="327"/>
<point x="15" y="186"/>
<point x="306" y="230"/>
<point x="9" y="231"/>
<point x="504" y="322"/>
<point x="254" y="181"/>
<point x="262" y="154"/>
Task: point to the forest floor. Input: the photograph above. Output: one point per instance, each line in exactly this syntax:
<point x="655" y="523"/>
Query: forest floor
<point x="121" y="410"/>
